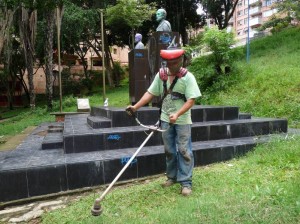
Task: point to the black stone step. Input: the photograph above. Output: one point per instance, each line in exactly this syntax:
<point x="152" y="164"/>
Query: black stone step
<point x="99" y="122"/>
<point x="149" y="115"/>
<point x="53" y="140"/>
<point x="244" y="116"/>
<point x="44" y="172"/>
<point x="82" y="138"/>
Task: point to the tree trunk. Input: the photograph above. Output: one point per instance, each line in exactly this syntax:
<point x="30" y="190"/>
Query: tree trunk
<point x="50" y="20"/>
<point x="27" y="34"/>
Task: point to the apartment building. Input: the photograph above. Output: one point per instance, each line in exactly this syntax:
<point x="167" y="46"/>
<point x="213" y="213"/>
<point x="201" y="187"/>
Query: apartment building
<point x="259" y="12"/>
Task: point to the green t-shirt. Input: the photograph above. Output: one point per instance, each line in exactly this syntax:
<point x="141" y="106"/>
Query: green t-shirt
<point x="186" y="85"/>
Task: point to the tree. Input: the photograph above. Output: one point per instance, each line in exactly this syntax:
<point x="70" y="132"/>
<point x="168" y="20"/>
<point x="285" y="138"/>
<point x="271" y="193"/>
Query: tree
<point x="27" y="18"/>
<point x="127" y="16"/>
<point x="219" y="43"/>
<point x="290" y="7"/>
<point x="182" y="14"/>
<point x="221" y="11"/>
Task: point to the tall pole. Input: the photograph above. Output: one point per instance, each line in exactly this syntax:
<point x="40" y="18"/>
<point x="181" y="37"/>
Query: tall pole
<point x="103" y="61"/>
<point x="248" y="35"/>
<point x="59" y="60"/>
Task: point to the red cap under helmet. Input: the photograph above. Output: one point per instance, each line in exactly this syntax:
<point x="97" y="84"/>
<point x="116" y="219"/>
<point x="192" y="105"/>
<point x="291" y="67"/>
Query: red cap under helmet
<point x="171" y="54"/>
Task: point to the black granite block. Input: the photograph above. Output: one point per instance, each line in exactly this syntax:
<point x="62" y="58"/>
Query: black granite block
<point x="208" y="156"/>
<point x="140" y="136"/>
<point x="197" y="114"/>
<point x="148" y="116"/>
<point x="213" y="114"/>
<point x="69" y="144"/>
<point x="13" y="185"/>
<point x="98" y="122"/>
<point x="100" y="111"/>
<point x="241" y="150"/>
<point x="151" y="164"/>
<point x="277" y="126"/>
<point x="227" y="153"/>
<point x="243" y="116"/>
<point x="231" y="113"/>
<point x="199" y="133"/>
<point x="85" y="174"/>
<point x="84" y="143"/>
<point x="239" y="130"/>
<point x="113" y="167"/>
<point x="118" y="140"/>
<point x="219" y="132"/>
<point x="261" y="128"/>
<point x="121" y="119"/>
<point x="46" y="180"/>
<point x="98" y="142"/>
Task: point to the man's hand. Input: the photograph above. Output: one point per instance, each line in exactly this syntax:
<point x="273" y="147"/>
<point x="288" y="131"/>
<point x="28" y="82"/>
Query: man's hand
<point x="173" y="118"/>
<point x="130" y="107"/>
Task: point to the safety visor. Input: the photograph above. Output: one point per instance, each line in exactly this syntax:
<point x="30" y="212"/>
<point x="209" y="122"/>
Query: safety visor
<point x="171" y="54"/>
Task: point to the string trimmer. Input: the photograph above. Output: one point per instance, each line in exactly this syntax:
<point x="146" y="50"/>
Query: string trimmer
<point x="97" y="209"/>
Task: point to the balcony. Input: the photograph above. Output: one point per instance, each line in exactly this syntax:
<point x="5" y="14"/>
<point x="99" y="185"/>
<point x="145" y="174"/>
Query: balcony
<point x="255" y="22"/>
<point x="254" y="2"/>
<point x="255" y="11"/>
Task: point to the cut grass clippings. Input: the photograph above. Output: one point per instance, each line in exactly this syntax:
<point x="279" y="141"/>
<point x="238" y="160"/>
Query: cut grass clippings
<point x="262" y="187"/>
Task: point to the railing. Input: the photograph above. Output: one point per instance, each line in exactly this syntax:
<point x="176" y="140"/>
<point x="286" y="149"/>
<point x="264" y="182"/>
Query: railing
<point x="255" y="21"/>
<point x="255" y="10"/>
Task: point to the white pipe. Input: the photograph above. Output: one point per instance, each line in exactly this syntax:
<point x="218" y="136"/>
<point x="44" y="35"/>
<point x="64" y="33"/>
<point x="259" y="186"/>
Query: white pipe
<point x="124" y="168"/>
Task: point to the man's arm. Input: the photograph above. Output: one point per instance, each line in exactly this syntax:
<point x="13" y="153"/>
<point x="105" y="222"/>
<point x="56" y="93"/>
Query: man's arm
<point x="186" y="106"/>
<point x="146" y="98"/>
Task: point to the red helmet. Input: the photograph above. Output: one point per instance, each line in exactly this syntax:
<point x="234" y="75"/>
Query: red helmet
<point x="171" y="54"/>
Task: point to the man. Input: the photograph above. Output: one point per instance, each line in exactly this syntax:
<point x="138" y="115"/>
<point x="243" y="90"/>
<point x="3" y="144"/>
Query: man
<point x="178" y="97"/>
<point x="138" y="40"/>
<point x="163" y="25"/>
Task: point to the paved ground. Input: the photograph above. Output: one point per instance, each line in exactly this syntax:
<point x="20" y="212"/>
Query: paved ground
<point x="12" y="142"/>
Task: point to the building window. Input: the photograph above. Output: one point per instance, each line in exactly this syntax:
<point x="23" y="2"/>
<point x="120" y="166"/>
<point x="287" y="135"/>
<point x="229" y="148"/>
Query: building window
<point x="240" y="22"/>
<point x="240" y="13"/>
<point x="114" y="51"/>
<point x="246" y="11"/>
<point x="239" y="32"/>
<point x="240" y="4"/>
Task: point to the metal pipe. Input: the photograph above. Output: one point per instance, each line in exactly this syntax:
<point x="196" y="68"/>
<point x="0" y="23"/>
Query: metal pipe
<point x="96" y="209"/>
<point x="248" y="35"/>
<point x="103" y="61"/>
<point x="59" y="59"/>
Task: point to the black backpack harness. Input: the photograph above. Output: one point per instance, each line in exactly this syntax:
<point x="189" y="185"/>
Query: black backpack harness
<point x="163" y="74"/>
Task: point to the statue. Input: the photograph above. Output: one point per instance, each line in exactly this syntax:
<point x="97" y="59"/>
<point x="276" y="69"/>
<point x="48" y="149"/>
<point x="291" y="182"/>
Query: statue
<point x="163" y="25"/>
<point x="138" y="40"/>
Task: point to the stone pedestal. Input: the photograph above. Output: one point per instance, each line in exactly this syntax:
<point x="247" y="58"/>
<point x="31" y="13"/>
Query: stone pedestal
<point x="139" y="74"/>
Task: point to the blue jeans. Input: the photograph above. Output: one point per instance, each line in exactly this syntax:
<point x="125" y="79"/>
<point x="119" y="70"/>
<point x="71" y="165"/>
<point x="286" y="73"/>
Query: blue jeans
<point x="179" y="154"/>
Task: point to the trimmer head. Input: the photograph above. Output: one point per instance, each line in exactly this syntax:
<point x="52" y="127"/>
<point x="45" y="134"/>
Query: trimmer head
<point x="96" y="209"/>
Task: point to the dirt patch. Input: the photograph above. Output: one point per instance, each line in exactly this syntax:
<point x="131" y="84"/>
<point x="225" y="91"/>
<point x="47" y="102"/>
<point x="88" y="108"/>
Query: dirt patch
<point x="10" y="143"/>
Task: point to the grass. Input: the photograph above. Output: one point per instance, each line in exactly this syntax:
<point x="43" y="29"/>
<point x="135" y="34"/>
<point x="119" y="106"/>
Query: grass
<point x="21" y="118"/>
<point x="262" y="187"/>
<point x="269" y="86"/>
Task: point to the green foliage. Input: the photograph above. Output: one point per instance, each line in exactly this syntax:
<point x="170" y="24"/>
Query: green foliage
<point x="269" y="85"/>
<point x="213" y="70"/>
<point x="276" y="24"/>
<point x="118" y="73"/>
<point x="130" y="13"/>
<point x="219" y="42"/>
